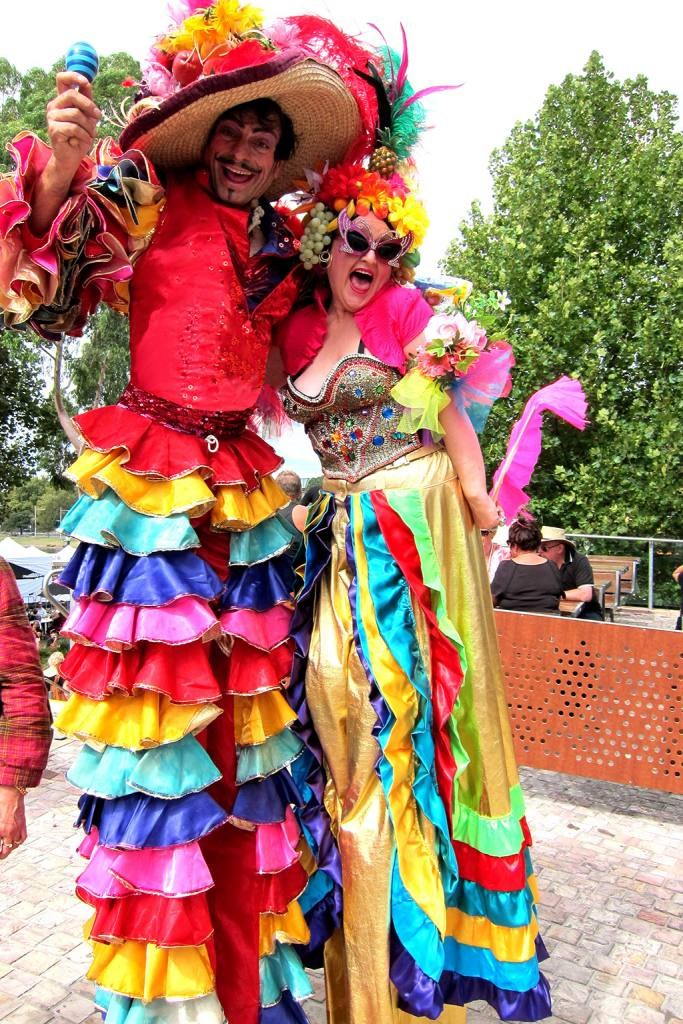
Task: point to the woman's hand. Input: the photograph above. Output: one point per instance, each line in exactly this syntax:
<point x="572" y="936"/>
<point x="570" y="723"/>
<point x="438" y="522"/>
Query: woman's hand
<point x="299" y="516"/>
<point x="12" y="820"/>
<point x="487" y="515"/>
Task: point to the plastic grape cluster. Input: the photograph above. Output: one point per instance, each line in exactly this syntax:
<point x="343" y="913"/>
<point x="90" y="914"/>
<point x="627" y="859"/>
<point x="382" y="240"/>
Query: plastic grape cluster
<point x="315" y="237"/>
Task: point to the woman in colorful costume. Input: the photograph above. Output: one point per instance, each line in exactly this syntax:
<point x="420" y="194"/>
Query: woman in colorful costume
<point x="397" y="680"/>
<point x="182" y="580"/>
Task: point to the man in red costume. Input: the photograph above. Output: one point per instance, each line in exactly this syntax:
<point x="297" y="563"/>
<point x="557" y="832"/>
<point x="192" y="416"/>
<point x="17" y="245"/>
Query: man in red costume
<point x="181" y="581"/>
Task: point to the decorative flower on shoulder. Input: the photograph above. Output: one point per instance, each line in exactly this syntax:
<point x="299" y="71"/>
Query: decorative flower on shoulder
<point x="453" y="344"/>
<point x="457" y="361"/>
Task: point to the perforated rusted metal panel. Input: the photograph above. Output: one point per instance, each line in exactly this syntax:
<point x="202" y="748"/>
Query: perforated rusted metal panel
<point x="595" y="699"/>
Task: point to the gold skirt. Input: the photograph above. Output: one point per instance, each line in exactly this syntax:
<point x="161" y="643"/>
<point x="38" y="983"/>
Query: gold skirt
<point x="357" y="958"/>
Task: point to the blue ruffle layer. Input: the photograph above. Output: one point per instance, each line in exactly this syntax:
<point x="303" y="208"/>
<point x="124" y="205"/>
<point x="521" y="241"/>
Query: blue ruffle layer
<point x="423" y="997"/>
<point x="118" y="1009"/>
<point x="266" y="801"/>
<point x="259" y="587"/>
<point x="109" y="521"/>
<point x="267" y="540"/>
<point x="264" y="759"/>
<point x="287" y="1011"/>
<point x="110" y="574"/>
<point x="170" y="771"/>
<point x="140" y="822"/>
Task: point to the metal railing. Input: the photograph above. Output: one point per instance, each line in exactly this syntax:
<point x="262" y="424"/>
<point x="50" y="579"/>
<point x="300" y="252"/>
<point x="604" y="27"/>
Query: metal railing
<point x="650" y="541"/>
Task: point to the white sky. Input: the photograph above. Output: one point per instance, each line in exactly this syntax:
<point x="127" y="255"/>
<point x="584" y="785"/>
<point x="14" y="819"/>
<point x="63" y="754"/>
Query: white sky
<point x="505" y="53"/>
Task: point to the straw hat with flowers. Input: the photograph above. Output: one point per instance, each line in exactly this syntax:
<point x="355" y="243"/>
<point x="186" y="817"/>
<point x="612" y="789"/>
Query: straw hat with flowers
<point x="218" y="57"/>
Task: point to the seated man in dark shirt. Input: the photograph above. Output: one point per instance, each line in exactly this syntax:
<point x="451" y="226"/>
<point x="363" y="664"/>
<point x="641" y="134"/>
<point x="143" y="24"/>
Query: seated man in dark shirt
<point x="575" y="571"/>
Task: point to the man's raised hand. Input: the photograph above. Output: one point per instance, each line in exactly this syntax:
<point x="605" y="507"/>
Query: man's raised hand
<point x="72" y="119"/>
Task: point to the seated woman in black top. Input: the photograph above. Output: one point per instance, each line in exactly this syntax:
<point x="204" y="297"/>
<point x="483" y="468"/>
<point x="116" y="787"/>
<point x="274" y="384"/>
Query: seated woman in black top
<point x="527" y="582"/>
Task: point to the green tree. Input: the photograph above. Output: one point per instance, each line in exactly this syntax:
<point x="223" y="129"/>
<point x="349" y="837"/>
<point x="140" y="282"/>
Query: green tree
<point x="24" y="409"/>
<point x="18" y="512"/>
<point x="100" y="373"/>
<point x="52" y="504"/>
<point x="37" y="503"/>
<point x="586" y="235"/>
<point x="24" y="97"/>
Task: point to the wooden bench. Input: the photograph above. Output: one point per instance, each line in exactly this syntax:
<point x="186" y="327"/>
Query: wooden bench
<point x="573" y="608"/>
<point x="621" y="572"/>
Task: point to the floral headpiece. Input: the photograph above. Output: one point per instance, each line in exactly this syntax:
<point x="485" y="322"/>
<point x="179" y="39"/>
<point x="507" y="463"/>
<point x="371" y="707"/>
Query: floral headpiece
<point x="218" y="55"/>
<point x="359" y="191"/>
<point x="206" y="40"/>
<point x="387" y="185"/>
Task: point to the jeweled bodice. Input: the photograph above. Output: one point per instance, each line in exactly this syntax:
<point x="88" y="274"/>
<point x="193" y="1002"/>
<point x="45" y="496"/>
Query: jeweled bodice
<point x="353" y="420"/>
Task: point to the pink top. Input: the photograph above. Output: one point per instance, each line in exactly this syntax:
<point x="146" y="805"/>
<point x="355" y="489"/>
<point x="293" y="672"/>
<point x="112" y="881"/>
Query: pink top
<point x="395" y="317"/>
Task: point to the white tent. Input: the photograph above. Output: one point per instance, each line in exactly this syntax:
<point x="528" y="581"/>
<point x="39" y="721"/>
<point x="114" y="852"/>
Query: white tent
<point x="38" y="563"/>
<point x="9" y="547"/>
<point x="62" y="556"/>
<point x="33" y="552"/>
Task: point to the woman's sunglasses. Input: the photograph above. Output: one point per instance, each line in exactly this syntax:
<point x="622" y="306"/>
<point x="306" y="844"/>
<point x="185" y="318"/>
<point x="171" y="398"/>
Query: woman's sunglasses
<point x="356" y="240"/>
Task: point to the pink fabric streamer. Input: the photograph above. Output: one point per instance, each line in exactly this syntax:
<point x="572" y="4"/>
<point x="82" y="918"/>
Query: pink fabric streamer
<point x="565" y="398"/>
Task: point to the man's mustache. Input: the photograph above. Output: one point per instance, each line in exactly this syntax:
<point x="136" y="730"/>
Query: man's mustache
<point x="237" y="164"/>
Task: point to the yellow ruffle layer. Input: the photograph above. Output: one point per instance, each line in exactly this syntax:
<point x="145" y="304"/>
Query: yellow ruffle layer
<point x="145" y="720"/>
<point x="235" y="509"/>
<point x="145" y="971"/>
<point x="288" y="927"/>
<point x="94" y="471"/>
<point x="532" y="882"/>
<point x="232" y="508"/>
<point x="513" y="945"/>
<point x="260" y="716"/>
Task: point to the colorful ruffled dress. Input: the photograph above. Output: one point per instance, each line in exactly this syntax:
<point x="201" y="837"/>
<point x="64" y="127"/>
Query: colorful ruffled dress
<point x="182" y="598"/>
<point x="399" y="691"/>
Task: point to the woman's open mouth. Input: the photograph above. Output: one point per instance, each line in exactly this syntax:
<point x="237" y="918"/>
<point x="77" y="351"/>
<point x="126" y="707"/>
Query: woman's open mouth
<point x="360" y="280"/>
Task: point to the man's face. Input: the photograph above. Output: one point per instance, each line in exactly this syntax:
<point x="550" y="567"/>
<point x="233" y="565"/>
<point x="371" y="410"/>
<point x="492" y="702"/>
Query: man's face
<point x="240" y="156"/>
<point x="553" y="550"/>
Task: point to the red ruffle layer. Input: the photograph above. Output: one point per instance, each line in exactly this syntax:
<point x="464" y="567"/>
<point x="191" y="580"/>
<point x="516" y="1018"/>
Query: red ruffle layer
<point x="167" y="453"/>
<point x="499" y="874"/>
<point x="251" y="670"/>
<point x="181" y="921"/>
<point x="276" y="892"/>
<point x="183" y="673"/>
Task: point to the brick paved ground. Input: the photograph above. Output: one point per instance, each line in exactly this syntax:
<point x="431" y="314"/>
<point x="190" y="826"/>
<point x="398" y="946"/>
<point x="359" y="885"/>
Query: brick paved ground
<point x="609" y="860"/>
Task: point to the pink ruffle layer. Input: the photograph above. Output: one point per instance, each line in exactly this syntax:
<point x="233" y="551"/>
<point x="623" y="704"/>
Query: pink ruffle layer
<point x="172" y="871"/>
<point x="264" y="630"/>
<point x="276" y="845"/>
<point x="117" y="627"/>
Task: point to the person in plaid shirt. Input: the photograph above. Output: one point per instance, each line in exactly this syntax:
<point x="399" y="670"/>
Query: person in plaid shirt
<point x="25" y="728"/>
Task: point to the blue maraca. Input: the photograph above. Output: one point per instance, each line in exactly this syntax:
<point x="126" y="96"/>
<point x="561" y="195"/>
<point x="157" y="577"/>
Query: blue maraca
<point x="81" y="57"/>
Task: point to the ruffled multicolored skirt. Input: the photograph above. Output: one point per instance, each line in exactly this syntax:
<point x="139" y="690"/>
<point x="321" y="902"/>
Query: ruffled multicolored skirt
<point x="398" y="681"/>
<point x="182" y="591"/>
